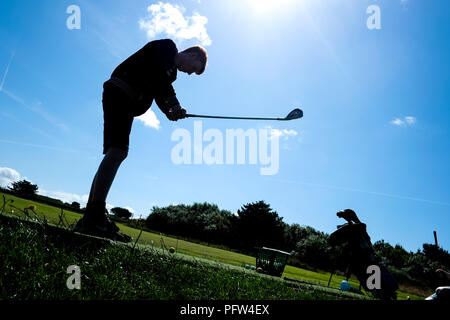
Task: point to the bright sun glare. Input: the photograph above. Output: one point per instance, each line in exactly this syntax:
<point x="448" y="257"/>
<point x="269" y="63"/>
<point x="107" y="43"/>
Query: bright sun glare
<point x="270" y="6"/>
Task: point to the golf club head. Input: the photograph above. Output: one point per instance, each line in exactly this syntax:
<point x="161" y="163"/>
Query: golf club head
<point x="294" y="114"/>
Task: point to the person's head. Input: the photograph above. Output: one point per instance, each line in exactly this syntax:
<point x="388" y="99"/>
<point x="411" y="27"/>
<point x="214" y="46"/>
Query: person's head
<point x="193" y="59"/>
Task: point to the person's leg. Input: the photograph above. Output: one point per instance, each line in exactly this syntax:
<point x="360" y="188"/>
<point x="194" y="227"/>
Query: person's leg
<point x="102" y="182"/>
<point x="117" y="122"/>
<point x="116" y="132"/>
<point x="105" y="174"/>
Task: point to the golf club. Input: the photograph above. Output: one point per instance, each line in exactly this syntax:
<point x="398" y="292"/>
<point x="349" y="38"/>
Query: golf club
<point x="294" y="114"/>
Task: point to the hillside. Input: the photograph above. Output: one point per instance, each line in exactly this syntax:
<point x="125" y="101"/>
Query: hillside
<point x="184" y="248"/>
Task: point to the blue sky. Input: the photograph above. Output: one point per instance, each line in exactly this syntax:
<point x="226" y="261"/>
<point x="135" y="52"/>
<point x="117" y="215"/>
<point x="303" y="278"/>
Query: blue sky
<point x="374" y="137"/>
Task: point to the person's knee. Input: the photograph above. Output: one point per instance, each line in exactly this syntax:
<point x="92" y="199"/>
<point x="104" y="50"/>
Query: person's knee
<point x="117" y="154"/>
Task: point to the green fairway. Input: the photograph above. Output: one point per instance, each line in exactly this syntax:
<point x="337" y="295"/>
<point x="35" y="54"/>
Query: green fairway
<point x="154" y="240"/>
<point x="36" y="257"/>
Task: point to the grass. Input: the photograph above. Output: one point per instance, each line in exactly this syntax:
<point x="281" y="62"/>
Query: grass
<point x="35" y="258"/>
<point x="196" y="252"/>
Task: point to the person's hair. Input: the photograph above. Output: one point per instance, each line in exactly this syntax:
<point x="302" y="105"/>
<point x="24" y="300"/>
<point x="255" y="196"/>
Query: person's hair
<point x="200" y="54"/>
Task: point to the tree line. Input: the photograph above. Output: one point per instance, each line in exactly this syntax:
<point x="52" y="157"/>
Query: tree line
<point x="256" y="225"/>
<point x="27" y="190"/>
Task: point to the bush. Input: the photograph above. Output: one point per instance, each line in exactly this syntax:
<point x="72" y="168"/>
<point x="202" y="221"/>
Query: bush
<point x="121" y="213"/>
<point x="24" y="189"/>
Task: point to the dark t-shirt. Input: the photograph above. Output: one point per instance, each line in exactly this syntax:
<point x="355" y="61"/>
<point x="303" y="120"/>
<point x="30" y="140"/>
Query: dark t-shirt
<point x="150" y="73"/>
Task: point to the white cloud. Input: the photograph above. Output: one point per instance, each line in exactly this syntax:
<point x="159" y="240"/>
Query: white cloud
<point x="285" y="133"/>
<point x="149" y="119"/>
<point x="65" y="196"/>
<point x="407" y="121"/>
<point x="398" y="122"/>
<point x="410" y="120"/>
<point x="168" y="19"/>
<point x="290" y="132"/>
<point x="7" y="176"/>
<point x="130" y="209"/>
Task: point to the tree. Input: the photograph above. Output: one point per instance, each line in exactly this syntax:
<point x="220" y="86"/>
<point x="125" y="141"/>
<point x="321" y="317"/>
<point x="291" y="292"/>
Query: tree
<point x="392" y="256"/>
<point x="437" y="254"/>
<point x="314" y="249"/>
<point x="210" y="223"/>
<point x="203" y="221"/>
<point x="158" y="219"/>
<point x="258" y="225"/>
<point x="24" y="189"/>
<point x="121" y="213"/>
<point x="75" y="205"/>
<point x="293" y="234"/>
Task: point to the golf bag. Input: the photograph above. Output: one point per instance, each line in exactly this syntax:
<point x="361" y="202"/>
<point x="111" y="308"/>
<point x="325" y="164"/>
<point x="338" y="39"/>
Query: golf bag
<point x="441" y="294"/>
<point x="361" y="255"/>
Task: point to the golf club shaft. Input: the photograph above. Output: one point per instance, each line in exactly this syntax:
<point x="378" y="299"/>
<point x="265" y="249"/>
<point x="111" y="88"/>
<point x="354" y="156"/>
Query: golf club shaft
<point x="221" y="117"/>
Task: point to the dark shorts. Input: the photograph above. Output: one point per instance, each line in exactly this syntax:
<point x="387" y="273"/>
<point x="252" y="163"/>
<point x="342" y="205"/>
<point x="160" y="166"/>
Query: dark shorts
<point x="117" y="118"/>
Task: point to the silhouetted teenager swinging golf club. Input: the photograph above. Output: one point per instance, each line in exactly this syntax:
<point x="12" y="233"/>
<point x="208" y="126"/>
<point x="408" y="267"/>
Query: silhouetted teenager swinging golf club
<point x="144" y="77"/>
<point x="294" y="114"/>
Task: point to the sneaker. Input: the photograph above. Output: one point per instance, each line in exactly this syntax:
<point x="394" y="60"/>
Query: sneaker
<point x="105" y="229"/>
<point x="96" y="223"/>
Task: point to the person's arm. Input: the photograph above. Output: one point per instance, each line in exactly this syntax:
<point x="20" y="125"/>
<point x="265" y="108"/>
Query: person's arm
<point x="165" y="96"/>
<point x="171" y="107"/>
